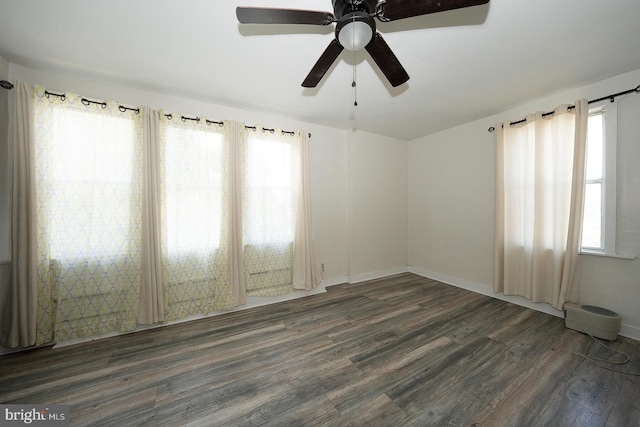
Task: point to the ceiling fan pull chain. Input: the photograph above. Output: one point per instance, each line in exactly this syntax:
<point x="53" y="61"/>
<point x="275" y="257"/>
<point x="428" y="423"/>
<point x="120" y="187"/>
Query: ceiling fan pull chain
<point x="353" y="58"/>
<point x="353" y="83"/>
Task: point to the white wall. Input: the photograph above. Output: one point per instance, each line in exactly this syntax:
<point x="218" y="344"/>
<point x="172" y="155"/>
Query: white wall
<point x="451" y="203"/>
<point x="377" y="205"/>
<point x="451" y="196"/>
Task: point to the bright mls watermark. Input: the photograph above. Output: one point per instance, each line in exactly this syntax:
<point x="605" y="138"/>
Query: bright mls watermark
<point x="34" y="415"/>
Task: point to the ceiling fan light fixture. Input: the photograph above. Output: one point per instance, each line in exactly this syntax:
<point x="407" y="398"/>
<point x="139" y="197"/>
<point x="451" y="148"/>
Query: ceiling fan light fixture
<point x="355" y="31"/>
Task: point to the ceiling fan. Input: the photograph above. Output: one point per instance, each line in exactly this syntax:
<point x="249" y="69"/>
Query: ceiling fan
<point x="355" y="28"/>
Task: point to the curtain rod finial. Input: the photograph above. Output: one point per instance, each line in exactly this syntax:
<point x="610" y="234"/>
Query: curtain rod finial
<point x="6" y="85"/>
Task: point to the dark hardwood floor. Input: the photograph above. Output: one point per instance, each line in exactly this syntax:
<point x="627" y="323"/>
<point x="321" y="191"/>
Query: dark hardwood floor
<point x="398" y="351"/>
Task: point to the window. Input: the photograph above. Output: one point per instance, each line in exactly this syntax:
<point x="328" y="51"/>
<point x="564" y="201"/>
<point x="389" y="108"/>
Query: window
<point x="193" y="168"/>
<point x="88" y="172"/>
<point x="193" y="199"/>
<point x="269" y="207"/>
<point x="599" y="220"/>
<point x="90" y="180"/>
<point x="270" y="192"/>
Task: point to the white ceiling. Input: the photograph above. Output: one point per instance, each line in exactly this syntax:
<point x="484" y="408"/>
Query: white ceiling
<point x="464" y="64"/>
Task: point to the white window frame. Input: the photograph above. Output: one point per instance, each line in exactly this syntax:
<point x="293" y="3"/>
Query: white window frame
<point x="609" y="110"/>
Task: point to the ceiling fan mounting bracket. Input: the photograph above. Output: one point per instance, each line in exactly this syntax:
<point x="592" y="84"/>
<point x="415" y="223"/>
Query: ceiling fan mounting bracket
<point x="342" y="8"/>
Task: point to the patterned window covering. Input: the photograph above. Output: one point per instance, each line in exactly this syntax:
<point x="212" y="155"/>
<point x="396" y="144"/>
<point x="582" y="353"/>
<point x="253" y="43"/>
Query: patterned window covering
<point x="270" y="172"/>
<point x="194" y="203"/>
<point x="89" y="199"/>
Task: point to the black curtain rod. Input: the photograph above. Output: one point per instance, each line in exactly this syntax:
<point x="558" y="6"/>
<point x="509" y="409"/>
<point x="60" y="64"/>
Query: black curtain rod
<point x="288" y="132"/>
<point x="88" y="102"/>
<point x="123" y="108"/>
<point x="7" y="85"/>
<point x="195" y="119"/>
<point x="611" y="98"/>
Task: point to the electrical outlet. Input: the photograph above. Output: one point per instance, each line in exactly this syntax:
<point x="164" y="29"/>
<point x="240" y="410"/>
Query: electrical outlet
<point x="322" y="266"/>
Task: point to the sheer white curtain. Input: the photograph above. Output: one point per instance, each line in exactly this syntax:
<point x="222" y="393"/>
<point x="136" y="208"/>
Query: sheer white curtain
<point x="194" y="197"/>
<point x="270" y="182"/>
<point x="89" y="185"/>
<point x="539" y="195"/>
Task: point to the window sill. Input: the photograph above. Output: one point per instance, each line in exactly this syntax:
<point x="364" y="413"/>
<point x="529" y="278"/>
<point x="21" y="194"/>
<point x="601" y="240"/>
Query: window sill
<point x="595" y="253"/>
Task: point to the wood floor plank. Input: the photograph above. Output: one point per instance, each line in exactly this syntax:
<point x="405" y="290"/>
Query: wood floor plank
<point x="379" y="411"/>
<point x="523" y="401"/>
<point x="626" y="410"/>
<point x="102" y="412"/>
<point x="590" y="394"/>
<point x="312" y="412"/>
<point x="353" y="394"/>
<point x="467" y="378"/>
<point x="259" y="406"/>
<point x="430" y="329"/>
<point x="218" y="405"/>
<point x="397" y="351"/>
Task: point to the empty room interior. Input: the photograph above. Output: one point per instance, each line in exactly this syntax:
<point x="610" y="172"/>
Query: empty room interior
<point x="345" y="212"/>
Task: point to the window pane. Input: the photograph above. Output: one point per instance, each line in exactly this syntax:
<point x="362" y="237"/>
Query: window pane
<point x="193" y="179"/>
<point x="92" y="184"/>
<point x="269" y="197"/>
<point x="592" y="225"/>
<point x="595" y="146"/>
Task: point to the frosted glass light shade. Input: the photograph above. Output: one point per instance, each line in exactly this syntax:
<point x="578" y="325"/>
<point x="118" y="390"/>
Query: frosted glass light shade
<point x="355" y="35"/>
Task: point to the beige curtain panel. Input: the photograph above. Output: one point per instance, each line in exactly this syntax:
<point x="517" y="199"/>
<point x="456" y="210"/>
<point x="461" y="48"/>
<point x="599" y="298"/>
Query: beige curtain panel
<point x="19" y="313"/>
<point x="306" y="274"/>
<point x="540" y="167"/>
<point x="235" y="133"/>
<point x="151" y="299"/>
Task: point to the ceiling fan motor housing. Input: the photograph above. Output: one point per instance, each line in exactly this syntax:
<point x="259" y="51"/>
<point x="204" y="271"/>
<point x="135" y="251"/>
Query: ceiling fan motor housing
<point x="344" y="7"/>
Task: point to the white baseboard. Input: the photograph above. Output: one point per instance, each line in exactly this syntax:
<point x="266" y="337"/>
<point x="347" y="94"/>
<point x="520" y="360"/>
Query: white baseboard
<point x="334" y="281"/>
<point x="486" y="290"/>
<point x="377" y="274"/>
<point x="628" y="331"/>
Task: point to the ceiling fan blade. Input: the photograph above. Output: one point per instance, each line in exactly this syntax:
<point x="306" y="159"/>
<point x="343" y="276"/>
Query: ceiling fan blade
<point x="260" y="15"/>
<point x="400" y="9"/>
<point x="387" y="61"/>
<point x="324" y="63"/>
